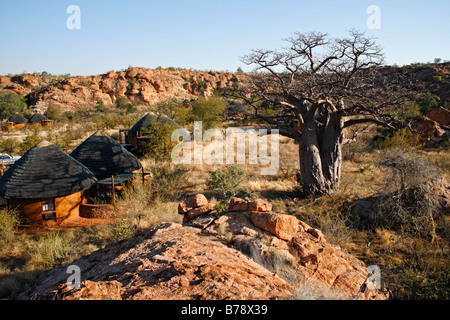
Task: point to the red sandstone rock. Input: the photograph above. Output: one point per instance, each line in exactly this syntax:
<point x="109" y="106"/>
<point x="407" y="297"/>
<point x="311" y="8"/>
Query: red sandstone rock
<point x="281" y="225"/>
<point x="239" y="205"/>
<point x="192" y="214"/>
<point x="196" y="201"/>
<point x="440" y="115"/>
<point x="168" y="262"/>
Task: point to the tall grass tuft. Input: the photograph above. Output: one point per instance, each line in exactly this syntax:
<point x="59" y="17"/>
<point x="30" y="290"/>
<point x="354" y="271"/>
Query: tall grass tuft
<point x="50" y="250"/>
<point x="9" y="221"/>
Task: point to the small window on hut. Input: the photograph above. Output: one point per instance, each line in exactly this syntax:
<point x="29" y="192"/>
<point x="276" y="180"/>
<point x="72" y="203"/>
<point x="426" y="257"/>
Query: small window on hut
<point x="48" y="204"/>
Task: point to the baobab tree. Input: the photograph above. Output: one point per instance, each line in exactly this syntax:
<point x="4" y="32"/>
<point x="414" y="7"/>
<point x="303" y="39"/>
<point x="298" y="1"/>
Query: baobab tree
<point x="317" y="86"/>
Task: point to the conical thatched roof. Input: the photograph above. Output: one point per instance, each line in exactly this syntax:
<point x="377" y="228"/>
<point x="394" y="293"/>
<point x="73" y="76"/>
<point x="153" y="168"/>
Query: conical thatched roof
<point x="145" y="122"/>
<point x="45" y="171"/>
<point x="17" y="118"/>
<point x="37" y="117"/>
<point x="105" y="157"/>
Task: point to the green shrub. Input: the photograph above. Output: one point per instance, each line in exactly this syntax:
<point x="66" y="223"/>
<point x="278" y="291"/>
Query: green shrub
<point x="124" y="104"/>
<point x="427" y="102"/>
<point x="100" y="106"/>
<point x="209" y="111"/>
<point x="417" y="284"/>
<point x="158" y="144"/>
<point x="404" y="139"/>
<point x="10" y="146"/>
<point x="174" y="109"/>
<point x="122" y="230"/>
<point x="226" y="182"/>
<point x="29" y="142"/>
<point x="11" y="103"/>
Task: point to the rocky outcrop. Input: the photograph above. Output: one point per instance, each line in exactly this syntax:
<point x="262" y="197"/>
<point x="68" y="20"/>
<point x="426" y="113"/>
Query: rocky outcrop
<point x="440" y="115"/>
<point x="168" y="262"/>
<point x="428" y="129"/>
<point x="232" y="255"/>
<point x="283" y="240"/>
<point x="141" y="85"/>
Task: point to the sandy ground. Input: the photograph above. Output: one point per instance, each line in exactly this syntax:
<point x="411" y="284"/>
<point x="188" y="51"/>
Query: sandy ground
<point x="69" y="223"/>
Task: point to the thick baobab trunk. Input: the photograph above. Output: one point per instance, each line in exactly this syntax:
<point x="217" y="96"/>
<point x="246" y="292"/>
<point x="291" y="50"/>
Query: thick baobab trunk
<point x="320" y="154"/>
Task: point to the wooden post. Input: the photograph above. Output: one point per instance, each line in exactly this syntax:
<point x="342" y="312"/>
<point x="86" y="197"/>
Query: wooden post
<point x="143" y="176"/>
<point x="113" y="192"/>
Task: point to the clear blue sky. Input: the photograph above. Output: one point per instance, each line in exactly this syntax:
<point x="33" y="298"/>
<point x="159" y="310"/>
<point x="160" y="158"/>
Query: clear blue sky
<point x="206" y="35"/>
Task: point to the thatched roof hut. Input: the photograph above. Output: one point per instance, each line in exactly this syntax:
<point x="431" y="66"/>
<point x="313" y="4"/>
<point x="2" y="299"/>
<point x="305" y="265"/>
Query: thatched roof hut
<point x="37" y="118"/>
<point x="145" y="122"/>
<point x="105" y="157"/>
<point x="134" y="134"/>
<point x="46" y="184"/>
<point x="17" y="119"/>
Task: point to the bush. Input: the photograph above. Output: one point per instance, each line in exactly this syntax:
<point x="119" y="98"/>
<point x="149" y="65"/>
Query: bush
<point x="209" y="111"/>
<point x="159" y="144"/>
<point x="417" y="284"/>
<point x="51" y="250"/>
<point x="29" y="142"/>
<point x="122" y="230"/>
<point x="427" y="102"/>
<point x="404" y="139"/>
<point x="174" y="109"/>
<point x="124" y="104"/>
<point x="166" y="180"/>
<point x="10" y="146"/>
<point x="11" y="103"/>
<point x="53" y="112"/>
<point x="100" y="106"/>
<point x="407" y="168"/>
<point x="226" y="182"/>
<point x="9" y="221"/>
<point x="411" y="207"/>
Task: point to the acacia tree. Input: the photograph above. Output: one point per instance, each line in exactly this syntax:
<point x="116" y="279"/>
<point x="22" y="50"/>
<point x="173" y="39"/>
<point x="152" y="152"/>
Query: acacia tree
<point x="315" y="88"/>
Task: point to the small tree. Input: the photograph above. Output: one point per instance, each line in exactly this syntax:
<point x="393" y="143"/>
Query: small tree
<point x="100" y="106"/>
<point x="124" y="104"/>
<point x="158" y="143"/>
<point x="11" y="103"/>
<point x="174" y="109"/>
<point x="53" y="112"/>
<point x="427" y="102"/>
<point x="209" y="111"/>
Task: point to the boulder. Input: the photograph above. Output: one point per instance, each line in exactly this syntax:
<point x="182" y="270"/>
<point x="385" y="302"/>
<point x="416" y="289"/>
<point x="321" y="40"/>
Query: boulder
<point x="196" y="201"/>
<point x="440" y="115"/>
<point x="192" y="214"/>
<point x="4" y="80"/>
<point x="427" y="128"/>
<point x="282" y="226"/>
<point x="237" y="204"/>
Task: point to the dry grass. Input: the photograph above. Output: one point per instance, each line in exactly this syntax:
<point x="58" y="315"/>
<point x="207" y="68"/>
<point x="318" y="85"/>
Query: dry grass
<point x="23" y="259"/>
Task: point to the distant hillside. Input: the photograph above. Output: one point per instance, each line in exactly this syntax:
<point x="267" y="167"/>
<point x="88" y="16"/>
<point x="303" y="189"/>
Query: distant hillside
<point x="147" y="86"/>
<point x="141" y="85"/>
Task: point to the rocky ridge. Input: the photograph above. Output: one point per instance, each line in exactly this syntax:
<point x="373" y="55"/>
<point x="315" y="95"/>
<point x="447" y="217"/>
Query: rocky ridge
<point x="140" y="85"/>
<point x="240" y="254"/>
